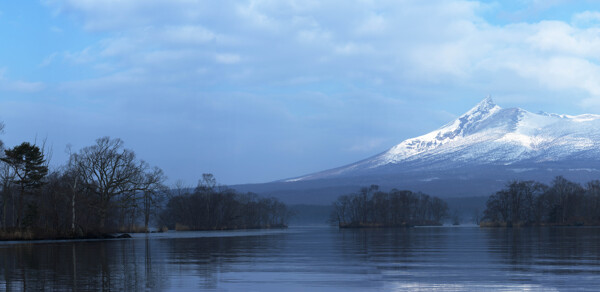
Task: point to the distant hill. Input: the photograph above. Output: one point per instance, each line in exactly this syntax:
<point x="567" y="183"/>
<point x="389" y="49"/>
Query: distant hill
<point x="474" y="155"/>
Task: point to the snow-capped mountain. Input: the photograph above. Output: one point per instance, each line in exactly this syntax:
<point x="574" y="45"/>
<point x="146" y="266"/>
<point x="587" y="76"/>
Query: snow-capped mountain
<point x="474" y="155"/>
<point x="487" y="135"/>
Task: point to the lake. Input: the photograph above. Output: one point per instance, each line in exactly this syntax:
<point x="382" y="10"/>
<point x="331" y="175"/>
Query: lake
<point x="313" y="259"/>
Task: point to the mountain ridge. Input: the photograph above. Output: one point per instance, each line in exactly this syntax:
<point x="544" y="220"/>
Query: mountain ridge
<point x="488" y="134"/>
<point x="474" y="155"/>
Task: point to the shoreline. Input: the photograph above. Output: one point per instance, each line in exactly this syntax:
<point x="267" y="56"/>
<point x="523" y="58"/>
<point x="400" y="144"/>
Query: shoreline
<point x="509" y="225"/>
<point x="378" y="225"/>
<point x="30" y="236"/>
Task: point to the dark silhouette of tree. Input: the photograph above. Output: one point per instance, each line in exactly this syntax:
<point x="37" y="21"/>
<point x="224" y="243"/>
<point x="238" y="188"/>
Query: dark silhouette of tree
<point x="1" y="131"/>
<point x="518" y="203"/>
<point x="562" y="199"/>
<point x="27" y="164"/>
<point x="374" y="208"/>
<point x="6" y="178"/>
<point x="110" y="172"/>
<point x="532" y="203"/>
<point x="214" y="207"/>
<point x="153" y="191"/>
<point x="104" y="188"/>
<point x="592" y="208"/>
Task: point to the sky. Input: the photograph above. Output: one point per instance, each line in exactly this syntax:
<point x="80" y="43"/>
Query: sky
<point x="262" y="90"/>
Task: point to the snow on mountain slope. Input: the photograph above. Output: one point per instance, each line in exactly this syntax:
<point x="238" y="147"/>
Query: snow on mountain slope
<point x="488" y="134"/>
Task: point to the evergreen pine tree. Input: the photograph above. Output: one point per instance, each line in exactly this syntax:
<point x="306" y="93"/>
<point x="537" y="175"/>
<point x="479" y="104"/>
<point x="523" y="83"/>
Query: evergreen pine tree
<point x="28" y="164"/>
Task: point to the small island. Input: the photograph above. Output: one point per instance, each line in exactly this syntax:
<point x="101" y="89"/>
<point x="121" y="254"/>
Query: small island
<point x="373" y="208"/>
<point x="212" y="207"/>
<point x="530" y="203"/>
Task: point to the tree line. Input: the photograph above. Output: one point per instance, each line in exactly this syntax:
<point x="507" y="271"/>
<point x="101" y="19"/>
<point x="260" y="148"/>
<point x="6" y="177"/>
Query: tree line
<point x="105" y="188"/>
<point x="371" y="207"/>
<point x="564" y="202"/>
<point x="212" y="207"/>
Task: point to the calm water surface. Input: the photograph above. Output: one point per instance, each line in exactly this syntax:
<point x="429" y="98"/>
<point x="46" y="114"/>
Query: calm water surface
<point x="315" y="259"/>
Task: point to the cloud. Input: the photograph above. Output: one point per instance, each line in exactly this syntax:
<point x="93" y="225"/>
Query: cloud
<point x="391" y="45"/>
<point x="48" y="60"/>
<point x="21" y="86"/>
<point x="381" y="43"/>
<point x="194" y="34"/>
<point x="430" y="42"/>
<point x="372" y="25"/>
<point x="586" y="18"/>
<point x="56" y="29"/>
<point x="227" y="58"/>
<point x="563" y="73"/>
<point x="11" y="85"/>
<point x="94" y="13"/>
<point x="86" y="55"/>
<point x="367" y="145"/>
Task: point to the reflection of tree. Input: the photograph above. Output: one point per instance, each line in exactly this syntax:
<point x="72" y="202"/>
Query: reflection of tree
<point x="207" y="256"/>
<point x="513" y="246"/>
<point x="105" y="265"/>
<point x="556" y="250"/>
<point x="74" y="260"/>
<point x="395" y="246"/>
<point x="143" y="264"/>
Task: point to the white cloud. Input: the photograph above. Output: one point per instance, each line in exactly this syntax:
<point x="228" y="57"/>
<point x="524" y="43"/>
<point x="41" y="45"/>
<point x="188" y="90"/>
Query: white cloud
<point x="7" y="84"/>
<point x="86" y="55"/>
<point x="562" y="73"/>
<point x="227" y="58"/>
<point x="56" y="29"/>
<point x="118" y="46"/>
<point x="353" y="49"/>
<point x="591" y="103"/>
<point x="367" y="145"/>
<point x="48" y="60"/>
<point x="112" y="15"/>
<point x="430" y="42"/>
<point x="586" y="18"/>
<point x="372" y="25"/>
<point x="558" y="37"/>
<point x="255" y="17"/>
<point x="313" y="36"/>
<point x="194" y="34"/>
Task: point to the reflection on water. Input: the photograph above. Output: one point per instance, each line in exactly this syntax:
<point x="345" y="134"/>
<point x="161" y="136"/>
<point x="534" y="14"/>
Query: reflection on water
<point x="319" y="258"/>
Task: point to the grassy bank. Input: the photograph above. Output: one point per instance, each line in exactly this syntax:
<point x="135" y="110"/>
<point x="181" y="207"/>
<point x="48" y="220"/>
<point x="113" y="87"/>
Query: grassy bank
<point x="181" y="227"/>
<point x="28" y="234"/>
<point x="380" y="225"/>
<point x="518" y="225"/>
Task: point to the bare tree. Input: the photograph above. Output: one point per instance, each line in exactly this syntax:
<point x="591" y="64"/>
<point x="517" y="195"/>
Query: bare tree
<point x="6" y="177"/>
<point x="108" y="171"/>
<point x="153" y="190"/>
<point x="1" y="131"/>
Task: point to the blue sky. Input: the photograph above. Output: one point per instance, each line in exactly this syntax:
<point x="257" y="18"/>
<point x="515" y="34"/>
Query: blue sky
<point x="255" y="91"/>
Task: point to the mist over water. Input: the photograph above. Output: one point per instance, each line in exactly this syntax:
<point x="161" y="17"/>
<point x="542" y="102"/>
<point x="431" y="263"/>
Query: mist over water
<point x="315" y="258"/>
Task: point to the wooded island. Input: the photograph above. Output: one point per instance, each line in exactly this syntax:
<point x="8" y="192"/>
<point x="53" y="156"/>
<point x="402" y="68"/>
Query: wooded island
<point x="104" y="188"/>
<point x="530" y="203"/>
<point x="371" y="207"/>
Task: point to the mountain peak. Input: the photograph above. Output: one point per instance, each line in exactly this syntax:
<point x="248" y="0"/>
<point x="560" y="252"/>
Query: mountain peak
<point x="483" y="106"/>
<point x="488" y="100"/>
<point x="488" y="135"/>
